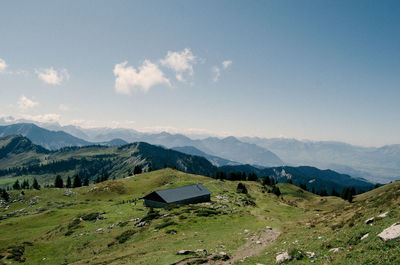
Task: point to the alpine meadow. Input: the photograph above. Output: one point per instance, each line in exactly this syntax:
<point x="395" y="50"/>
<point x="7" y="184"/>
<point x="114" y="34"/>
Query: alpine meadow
<point x="200" y="132"/>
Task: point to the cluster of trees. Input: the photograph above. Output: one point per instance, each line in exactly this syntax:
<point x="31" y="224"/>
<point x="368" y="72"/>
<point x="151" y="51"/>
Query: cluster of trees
<point x="271" y="183"/>
<point x="25" y="185"/>
<point x="5" y="196"/>
<point x="268" y="181"/>
<point x="241" y="176"/>
<point x="75" y="183"/>
<point x="348" y="193"/>
<point x="137" y="170"/>
<point x="241" y="188"/>
<point x="103" y="177"/>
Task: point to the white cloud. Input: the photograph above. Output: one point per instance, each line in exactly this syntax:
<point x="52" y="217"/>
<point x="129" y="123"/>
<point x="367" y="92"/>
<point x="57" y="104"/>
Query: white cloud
<point x="25" y="103"/>
<point x="3" y="65"/>
<point x="52" y="76"/>
<point x="63" y="107"/>
<point x="129" y="79"/>
<point x="50" y="117"/>
<point x="217" y="73"/>
<point x="226" y="64"/>
<point x="217" y="70"/>
<point x="180" y="62"/>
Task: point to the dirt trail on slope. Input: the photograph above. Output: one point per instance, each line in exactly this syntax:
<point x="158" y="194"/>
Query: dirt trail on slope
<point x="255" y="244"/>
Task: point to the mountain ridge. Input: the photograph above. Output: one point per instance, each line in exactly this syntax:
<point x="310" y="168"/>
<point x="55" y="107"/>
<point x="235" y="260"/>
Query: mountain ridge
<point x="119" y="161"/>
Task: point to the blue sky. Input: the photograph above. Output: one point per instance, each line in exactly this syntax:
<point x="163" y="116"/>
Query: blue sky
<point x="318" y="70"/>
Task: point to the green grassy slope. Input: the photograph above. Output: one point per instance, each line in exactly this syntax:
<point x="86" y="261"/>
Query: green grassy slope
<point x="46" y="224"/>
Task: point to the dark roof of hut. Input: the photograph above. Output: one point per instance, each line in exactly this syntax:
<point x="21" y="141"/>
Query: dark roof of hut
<point x="178" y="194"/>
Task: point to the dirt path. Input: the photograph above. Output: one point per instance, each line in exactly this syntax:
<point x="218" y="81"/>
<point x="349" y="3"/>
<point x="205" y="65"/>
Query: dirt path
<point x="256" y="243"/>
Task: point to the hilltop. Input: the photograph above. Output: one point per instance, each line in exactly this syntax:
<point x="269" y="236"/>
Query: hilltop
<point x="100" y="224"/>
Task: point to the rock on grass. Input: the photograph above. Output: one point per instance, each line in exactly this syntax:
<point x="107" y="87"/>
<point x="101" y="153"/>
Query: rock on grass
<point x="390" y="233"/>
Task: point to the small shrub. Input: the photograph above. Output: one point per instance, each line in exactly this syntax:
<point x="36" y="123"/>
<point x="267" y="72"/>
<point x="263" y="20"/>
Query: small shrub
<point x="248" y="201"/>
<point x="165" y="224"/>
<point x="125" y="236"/>
<point x="90" y="216"/>
<point x="72" y="226"/>
<point x="206" y="212"/>
<point x="296" y="254"/>
<point x="182" y="217"/>
<point x="16" y="253"/>
<point x="111" y="244"/>
<point x="171" y="231"/>
<point x="151" y="215"/>
<point x="276" y="191"/>
<point x="123" y="224"/>
<point x="241" y="188"/>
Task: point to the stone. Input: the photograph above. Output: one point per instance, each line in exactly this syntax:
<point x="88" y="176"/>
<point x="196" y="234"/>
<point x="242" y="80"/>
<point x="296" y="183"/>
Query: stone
<point x="140" y="224"/>
<point x="336" y="250"/>
<point x="258" y="242"/>
<point x="390" y="233"/>
<point x="310" y="254"/>
<point x="364" y="236"/>
<point x="100" y="217"/>
<point x="201" y="251"/>
<point x="100" y="230"/>
<point x="224" y="256"/>
<point x="385" y="214"/>
<point x="370" y="220"/>
<point x="68" y="192"/>
<point x="185" y="252"/>
<point x="246" y="231"/>
<point x="283" y="257"/>
<point x="268" y="227"/>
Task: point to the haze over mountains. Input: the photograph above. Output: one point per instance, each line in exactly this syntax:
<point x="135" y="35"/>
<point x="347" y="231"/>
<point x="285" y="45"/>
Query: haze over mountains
<point x="377" y="164"/>
<point x="19" y="157"/>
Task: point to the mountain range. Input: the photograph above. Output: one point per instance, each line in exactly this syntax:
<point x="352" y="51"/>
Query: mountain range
<point x="19" y="157"/>
<point x="374" y="163"/>
<point x="377" y="164"/>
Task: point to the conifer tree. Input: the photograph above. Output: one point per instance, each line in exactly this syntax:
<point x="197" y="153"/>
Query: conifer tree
<point x="16" y="185"/>
<point x="77" y="182"/>
<point x="58" y="182"/>
<point x="5" y="195"/>
<point x="86" y="181"/>
<point x="35" y="184"/>
<point x="69" y="184"/>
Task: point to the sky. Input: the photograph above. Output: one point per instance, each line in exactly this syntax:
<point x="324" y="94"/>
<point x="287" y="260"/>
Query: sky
<point x="317" y="70"/>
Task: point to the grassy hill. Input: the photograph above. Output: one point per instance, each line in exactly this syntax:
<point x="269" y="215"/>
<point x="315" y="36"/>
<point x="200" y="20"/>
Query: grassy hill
<point x="59" y="226"/>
